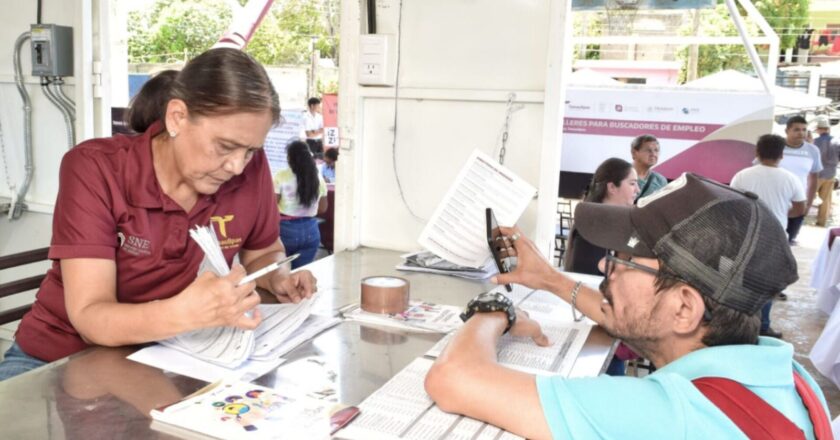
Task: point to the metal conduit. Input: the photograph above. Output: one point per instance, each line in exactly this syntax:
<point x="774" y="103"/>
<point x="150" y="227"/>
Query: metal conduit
<point x="68" y="121"/>
<point x="59" y="89"/>
<point x="17" y="206"/>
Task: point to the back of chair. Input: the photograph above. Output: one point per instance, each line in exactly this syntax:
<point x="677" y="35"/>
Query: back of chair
<point x="23" y="284"/>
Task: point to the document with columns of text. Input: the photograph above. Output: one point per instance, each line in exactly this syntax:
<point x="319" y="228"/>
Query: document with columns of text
<point x="457" y="231"/>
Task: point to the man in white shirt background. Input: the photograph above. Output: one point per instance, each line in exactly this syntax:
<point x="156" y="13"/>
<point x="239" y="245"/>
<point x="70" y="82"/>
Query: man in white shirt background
<point x="777" y="188"/>
<point x="313" y="124"/>
<point x="803" y="160"/>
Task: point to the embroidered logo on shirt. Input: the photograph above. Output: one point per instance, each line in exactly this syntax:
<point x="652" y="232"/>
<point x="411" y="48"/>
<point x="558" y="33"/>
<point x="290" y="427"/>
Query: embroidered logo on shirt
<point x="134" y="245"/>
<point x="222" y="221"/>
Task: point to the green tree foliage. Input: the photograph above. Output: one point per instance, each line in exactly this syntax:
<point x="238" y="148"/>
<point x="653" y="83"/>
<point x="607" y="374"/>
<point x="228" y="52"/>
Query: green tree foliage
<point x="289" y="30"/>
<point x="787" y="17"/>
<point x="712" y="57"/>
<point x="176" y="30"/>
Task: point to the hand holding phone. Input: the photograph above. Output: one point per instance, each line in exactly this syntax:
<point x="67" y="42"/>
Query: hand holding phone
<point x="499" y="246"/>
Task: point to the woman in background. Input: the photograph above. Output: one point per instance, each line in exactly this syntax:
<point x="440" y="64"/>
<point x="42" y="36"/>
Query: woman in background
<point x="301" y="195"/>
<point x="614" y="183"/>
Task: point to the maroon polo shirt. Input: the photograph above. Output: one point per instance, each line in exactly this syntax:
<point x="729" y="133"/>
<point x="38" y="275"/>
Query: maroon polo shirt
<point x="110" y="206"/>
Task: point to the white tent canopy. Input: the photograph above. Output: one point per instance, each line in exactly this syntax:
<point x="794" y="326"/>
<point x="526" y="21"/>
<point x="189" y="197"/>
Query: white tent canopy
<point x="786" y="100"/>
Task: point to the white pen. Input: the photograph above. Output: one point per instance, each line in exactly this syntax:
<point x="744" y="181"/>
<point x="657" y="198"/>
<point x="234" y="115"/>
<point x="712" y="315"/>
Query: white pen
<point x="273" y="266"/>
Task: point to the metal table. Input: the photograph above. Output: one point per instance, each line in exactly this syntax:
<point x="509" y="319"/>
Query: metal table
<point x="98" y="393"/>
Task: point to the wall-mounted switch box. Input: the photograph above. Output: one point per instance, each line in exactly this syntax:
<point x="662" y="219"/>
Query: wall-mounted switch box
<point x="52" y="50"/>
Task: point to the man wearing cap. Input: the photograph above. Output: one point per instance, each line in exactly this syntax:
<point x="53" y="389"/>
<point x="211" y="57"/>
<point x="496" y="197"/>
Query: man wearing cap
<point x="830" y="153"/>
<point x="687" y="272"/>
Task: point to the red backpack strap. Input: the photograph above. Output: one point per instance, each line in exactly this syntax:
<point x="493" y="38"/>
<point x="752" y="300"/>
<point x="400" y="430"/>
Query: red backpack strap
<point x="816" y="411"/>
<point x="753" y="416"/>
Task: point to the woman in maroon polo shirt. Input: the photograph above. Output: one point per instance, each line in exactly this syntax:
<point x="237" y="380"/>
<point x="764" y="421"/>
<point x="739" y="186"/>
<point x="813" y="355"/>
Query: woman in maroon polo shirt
<point x="125" y="270"/>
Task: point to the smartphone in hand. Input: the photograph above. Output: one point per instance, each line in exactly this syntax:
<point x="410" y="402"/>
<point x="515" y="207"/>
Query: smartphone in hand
<point x="499" y="245"/>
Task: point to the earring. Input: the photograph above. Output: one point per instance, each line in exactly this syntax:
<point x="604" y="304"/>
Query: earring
<point x="172" y="134"/>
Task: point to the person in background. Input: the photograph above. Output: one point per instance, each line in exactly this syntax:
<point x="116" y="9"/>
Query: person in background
<point x="301" y="195"/>
<point x="125" y="270"/>
<point x="803" y="160"/>
<point x="829" y="154"/>
<point x="645" y="153"/>
<point x="614" y="183"/>
<point x="313" y="125"/>
<point x="330" y="158"/>
<point x="778" y="189"/>
<point x="687" y="272"/>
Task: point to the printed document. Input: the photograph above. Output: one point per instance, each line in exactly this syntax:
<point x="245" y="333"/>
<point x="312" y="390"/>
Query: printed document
<point x="240" y="410"/>
<point x="554" y="315"/>
<point x="402" y="409"/>
<point x="420" y="316"/>
<point x="457" y="231"/>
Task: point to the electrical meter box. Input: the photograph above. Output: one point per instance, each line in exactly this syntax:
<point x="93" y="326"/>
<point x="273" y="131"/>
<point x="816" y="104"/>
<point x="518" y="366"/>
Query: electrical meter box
<point x="52" y="50"/>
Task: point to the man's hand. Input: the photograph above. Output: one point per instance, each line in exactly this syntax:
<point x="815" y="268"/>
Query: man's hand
<point x="527" y="327"/>
<point x="532" y="269"/>
<point x="293" y="287"/>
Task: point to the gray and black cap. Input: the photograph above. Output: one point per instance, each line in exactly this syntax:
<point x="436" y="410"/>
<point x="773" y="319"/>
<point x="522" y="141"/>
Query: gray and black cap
<point x="723" y="242"/>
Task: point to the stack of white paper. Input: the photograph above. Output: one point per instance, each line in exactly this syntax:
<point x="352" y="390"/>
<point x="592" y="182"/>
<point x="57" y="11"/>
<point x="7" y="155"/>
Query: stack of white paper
<point x="425" y="261"/>
<point x="230" y="347"/>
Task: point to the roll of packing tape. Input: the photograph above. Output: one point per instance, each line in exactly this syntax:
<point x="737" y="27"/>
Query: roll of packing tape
<point x="384" y="294"/>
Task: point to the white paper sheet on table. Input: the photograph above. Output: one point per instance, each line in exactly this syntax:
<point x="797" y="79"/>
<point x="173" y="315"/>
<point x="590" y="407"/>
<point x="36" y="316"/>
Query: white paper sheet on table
<point x="177" y="361"/>
<point x="567" y="338"/>
<point x="229" y="347"/>
<point x="419" y="317"/>
<point x="402" y="409"/>
<point x="457" y="231"/>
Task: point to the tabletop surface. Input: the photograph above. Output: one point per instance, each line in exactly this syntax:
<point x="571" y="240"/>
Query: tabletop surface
<point x="99" y="393"/>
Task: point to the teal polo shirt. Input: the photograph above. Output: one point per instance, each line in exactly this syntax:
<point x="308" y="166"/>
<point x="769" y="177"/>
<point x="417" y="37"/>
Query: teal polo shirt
<point x="666" y="404"/>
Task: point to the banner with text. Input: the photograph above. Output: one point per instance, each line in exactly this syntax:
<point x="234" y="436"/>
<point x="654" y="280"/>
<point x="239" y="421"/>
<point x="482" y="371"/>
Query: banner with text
<point x="709" y="133"/>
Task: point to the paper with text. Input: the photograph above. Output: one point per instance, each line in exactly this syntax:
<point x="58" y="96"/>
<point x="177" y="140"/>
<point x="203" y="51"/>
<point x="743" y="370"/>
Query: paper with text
<point x="419" y="317"/>
<point x="457" y="230"/>
<point x="554" y="315"/>
<point x="238" y="410"/>
<point x="402" y="409"/>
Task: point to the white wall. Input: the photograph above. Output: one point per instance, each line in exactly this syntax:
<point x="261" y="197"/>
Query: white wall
<point x="47" y="124"/>
<point x="459" y="61"/>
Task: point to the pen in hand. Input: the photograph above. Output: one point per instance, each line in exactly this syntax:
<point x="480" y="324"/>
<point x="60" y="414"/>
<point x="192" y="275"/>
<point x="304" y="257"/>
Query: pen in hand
<point x="271" y="267"/>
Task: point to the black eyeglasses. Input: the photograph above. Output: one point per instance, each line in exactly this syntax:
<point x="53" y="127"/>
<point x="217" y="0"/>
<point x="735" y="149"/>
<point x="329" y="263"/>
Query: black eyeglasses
<point x="612" y="259"/>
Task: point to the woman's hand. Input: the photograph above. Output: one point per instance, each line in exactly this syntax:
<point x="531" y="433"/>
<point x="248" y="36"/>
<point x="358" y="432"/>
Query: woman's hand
<point x="213" y="301"/>
<point x="532" y="269"/>
<point x="293" y="287"/>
